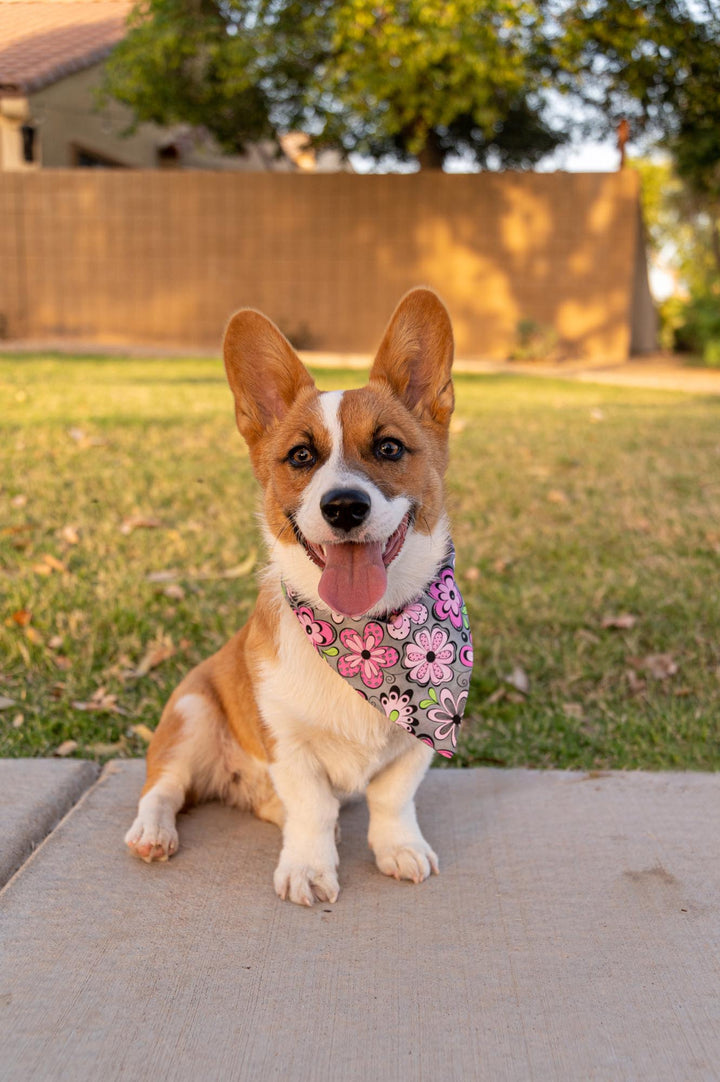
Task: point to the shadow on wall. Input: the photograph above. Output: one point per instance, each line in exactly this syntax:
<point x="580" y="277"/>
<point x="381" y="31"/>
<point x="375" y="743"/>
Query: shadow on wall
<point x="147" y="257"/>
<point x="551" y="257"/>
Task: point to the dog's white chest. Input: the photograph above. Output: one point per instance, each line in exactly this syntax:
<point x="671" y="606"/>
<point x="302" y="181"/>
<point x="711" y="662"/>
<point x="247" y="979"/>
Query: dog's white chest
<point x="309" y="706"/>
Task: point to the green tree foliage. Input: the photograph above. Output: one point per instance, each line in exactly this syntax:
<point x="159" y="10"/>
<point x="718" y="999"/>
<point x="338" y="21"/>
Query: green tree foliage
<point x="679" y="228"/>
<point x="180" y="64"/>
<point x="406" y="79"/>
<point x="682" y="234"/>
<point x="656" y="62"/>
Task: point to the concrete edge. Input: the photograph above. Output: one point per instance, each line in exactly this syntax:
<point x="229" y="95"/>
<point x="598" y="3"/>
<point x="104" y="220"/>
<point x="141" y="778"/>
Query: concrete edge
<point x="67" y="798"/>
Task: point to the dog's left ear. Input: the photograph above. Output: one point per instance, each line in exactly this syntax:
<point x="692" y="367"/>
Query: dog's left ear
<point x="416" y="354"/>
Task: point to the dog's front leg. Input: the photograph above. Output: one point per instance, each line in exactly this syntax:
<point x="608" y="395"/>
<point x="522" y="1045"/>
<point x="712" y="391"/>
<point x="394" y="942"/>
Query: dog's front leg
<point x="394" y="835"/>
<point x="307" y="869"/>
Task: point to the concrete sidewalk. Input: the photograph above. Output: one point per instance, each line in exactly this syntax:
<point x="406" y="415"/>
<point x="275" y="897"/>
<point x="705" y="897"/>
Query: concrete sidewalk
<point x="573" y="934"/>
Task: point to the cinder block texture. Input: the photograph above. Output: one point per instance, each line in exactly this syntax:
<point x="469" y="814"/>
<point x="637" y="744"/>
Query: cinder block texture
<point x="34" y="796"/>
<point x="154" y="257"/>
<point x="574" y="933"/>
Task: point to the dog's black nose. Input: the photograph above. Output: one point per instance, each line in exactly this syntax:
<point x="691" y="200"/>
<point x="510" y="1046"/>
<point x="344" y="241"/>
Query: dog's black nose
<point x="345" y="508"/>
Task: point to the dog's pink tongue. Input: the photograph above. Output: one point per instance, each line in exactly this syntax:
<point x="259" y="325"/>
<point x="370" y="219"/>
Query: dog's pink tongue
<point x="354" y="578"/>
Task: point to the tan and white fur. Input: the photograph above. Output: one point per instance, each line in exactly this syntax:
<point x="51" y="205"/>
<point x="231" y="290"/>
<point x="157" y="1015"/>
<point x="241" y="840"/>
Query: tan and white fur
<point x="265" y="724"/>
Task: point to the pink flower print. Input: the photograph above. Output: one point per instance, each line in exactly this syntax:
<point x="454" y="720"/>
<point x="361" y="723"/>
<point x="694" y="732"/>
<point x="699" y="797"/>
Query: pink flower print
<point x="466" y="655"/>
<point x="365" y="655"/>
<point x="429" y="657"/>
<point x="448" y="716"/>
<point x="319" y="632"/>
<point x="398" y="707"/>
<point x="399" y="622"/>
<point x="448" y="600"/>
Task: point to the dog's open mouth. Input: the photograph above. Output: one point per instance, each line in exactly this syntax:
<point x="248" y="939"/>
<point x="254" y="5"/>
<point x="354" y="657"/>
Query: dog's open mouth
<point x="354" y="574"/>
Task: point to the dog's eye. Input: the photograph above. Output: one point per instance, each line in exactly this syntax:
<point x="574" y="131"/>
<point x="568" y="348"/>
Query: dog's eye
<point x="389" y="449"/>
<point x="302" y="455"/>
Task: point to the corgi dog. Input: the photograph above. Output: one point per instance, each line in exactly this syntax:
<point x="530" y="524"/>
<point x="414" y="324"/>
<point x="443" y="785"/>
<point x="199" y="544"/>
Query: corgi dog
<point x="354" y="518"/>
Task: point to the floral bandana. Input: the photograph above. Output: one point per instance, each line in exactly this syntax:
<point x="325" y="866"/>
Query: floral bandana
<point x="413" y="666"/>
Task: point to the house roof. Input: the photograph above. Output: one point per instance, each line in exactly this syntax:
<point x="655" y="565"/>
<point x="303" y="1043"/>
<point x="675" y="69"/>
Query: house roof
<point x="42" y="41"/>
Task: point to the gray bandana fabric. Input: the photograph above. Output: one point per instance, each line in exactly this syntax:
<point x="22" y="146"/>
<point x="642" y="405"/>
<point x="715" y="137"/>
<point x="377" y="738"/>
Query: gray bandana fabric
<point x="413" y="666"/>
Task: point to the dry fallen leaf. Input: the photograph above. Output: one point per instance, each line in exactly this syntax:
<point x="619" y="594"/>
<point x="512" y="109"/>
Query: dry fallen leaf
<point x="66" y="748"/>
<point x="585" y="636"/>
<point x="69" y="534"/>
<point x="162" y="576"/>
<point x="18" y="721"/>
<point x="154" y="656"/>
<point x="83" y="440"/>
<point x="519" y="680"/>
<point x="573" y="710"/>
<point x="623" y="622"/>
<point x="102" y="702"/>
<point x="19" y="501"/>
<point x="108" y="749"/>
<point x="6" y="703"/>
<point x="22" y="617"/>
<point x="660" y="666"/>
<point x="472" y="574"/>
<point x="142" y="731"/>
<point x="174" y="591"/>
<point x="33" y="635"/>
<point x="636" y="683"/>
<point x="139" y="522"/>
<point x="555" y="495"/>
<point x="243" y="568"/>
<point x="21" y="536"/>
<point x="657" y="666"/>
<point x="232" y="572"/>
<point x="49" y="563"/>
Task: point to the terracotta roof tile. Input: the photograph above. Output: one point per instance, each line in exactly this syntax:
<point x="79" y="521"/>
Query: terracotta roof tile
<point x="42" y="41"/>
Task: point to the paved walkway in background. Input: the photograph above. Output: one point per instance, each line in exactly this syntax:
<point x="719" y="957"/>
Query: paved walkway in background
<point x="573" y="934"/>
<point x="659" y="371"/>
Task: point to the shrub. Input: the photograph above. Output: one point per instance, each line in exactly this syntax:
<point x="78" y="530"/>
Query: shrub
<point x="696" y="326"/>
<point x="534" y="341"/>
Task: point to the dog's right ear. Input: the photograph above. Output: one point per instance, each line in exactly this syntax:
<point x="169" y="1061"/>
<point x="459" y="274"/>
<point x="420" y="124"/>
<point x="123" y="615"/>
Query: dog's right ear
<point x="264" y="372"/>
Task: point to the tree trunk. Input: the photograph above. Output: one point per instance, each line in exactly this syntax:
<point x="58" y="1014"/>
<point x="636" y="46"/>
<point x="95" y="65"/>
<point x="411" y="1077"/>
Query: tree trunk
<point x="432" y="155"/>
<point x="715" y="237"/>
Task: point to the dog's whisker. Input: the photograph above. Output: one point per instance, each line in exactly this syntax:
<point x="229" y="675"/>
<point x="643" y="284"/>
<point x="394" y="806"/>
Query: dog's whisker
<point x="283" y="529"/>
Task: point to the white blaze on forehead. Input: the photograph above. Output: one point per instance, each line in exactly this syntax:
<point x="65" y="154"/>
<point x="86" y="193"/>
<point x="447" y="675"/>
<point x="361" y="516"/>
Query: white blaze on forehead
<point x="329" y="403"/>
<point x="385" y="514"/>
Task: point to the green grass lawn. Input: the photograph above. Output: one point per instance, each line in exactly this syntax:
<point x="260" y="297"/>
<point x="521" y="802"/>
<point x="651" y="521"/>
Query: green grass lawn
<point x="128" y="552"/>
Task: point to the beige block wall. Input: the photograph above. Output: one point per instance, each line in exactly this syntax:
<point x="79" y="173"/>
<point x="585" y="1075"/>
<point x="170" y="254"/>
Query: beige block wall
<point x="149" y="257"/>
<point x="68" y="117"/>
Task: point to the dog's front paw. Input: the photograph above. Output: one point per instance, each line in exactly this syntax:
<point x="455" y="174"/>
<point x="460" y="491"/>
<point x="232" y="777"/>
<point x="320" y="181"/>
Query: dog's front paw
<point x="151" y="839"/>
<point x="304" y="885"/>
<point x="415" y="861"/>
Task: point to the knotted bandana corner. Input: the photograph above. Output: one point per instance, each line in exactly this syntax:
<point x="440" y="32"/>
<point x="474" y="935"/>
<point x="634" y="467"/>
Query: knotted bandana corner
<point x="413" y="665"/>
